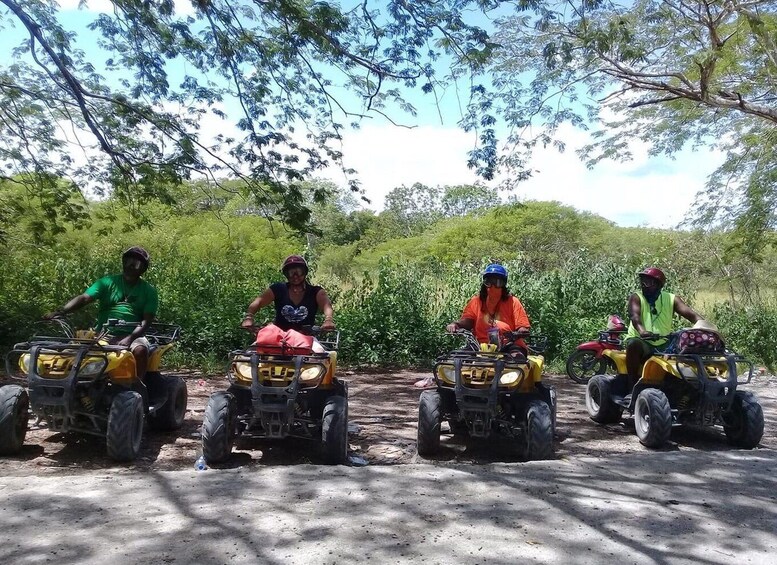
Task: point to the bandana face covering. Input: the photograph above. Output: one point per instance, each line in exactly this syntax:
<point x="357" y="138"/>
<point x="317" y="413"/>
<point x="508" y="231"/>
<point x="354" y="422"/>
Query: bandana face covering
<point x="493" y="296"/>
<point x="651" y="295"/>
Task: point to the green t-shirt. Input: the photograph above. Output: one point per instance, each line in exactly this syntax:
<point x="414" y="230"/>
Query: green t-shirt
<point x="120" y="300"/>
<point x="659" y="320"/>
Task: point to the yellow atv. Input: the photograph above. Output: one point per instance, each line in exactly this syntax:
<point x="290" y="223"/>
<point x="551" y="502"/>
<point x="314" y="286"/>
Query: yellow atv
<point x="274" y="396"/>
<point x="693" y="382"/>
<point x="484" y="389"/>
<point x="77" y="382"/>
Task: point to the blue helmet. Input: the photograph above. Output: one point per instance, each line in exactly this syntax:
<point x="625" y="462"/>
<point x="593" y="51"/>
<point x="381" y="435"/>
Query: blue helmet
<point x="495" y="269"/>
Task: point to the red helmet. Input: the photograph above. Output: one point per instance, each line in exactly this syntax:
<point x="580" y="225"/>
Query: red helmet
<point x="655" y="273"/>
<point x="614" y="322"/>
<point x="294" y="261"/>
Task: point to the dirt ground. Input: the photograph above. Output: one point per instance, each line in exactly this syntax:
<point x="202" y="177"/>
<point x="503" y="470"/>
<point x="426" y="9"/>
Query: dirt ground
<point x="382" y="429"/>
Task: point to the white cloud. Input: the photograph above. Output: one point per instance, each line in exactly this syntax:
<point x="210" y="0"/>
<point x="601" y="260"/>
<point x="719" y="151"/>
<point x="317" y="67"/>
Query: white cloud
<point x="645" y="191"/>
<point x="182" y="7"/>
<point x="388" y="156"/>
<point x="654" y="191"/>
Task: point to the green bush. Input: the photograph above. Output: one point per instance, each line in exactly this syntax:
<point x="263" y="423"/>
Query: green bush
<point x="750" y="331"/>
<point x="394" y="314"/>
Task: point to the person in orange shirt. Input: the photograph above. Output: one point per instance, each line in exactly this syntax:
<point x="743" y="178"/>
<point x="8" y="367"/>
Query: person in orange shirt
<point x="494" y="309"/>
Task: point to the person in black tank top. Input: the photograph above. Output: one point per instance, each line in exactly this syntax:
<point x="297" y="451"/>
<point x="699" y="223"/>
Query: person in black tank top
<point x="296" y="301"/>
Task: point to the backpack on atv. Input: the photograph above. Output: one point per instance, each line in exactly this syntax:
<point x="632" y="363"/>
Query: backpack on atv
<point x="280" y="387"/>
<point x="77" y="382"/>
<point x="694" y="381"/>
<point x="483" y="389"/>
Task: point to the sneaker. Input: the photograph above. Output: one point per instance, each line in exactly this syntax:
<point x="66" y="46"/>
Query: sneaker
<point x="427" y="382"/>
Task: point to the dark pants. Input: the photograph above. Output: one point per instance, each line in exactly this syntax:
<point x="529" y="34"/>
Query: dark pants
<point x="637" y="352"/>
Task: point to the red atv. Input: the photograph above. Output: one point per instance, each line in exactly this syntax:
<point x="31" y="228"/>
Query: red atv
<point x="587" y="360"/>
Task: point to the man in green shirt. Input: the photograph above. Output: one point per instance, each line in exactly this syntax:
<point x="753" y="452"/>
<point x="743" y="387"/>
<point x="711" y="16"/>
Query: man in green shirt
<point x="123" y="297"/>
<point x="651" y="311"/>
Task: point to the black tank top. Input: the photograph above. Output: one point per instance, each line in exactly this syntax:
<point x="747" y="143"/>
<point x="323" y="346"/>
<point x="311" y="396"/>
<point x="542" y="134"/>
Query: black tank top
<point x="290" y="316"/>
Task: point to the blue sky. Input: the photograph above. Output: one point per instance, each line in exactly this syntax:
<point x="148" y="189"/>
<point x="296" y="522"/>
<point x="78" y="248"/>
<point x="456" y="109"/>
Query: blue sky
<point x="654" y="191"/>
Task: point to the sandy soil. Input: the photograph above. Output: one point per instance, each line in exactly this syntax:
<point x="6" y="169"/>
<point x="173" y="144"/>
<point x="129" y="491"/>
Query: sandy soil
<point x="383" y="413"/>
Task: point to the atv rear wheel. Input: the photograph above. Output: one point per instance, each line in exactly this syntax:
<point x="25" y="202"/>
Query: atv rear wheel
<point x="583" y="364"/>
<point x="14" y="416"/>
<point x="539" y="430"/>
<point x="598" y="400"/>
<point x="334" y="430"/>
<point x="218" y="427"/>
<point x="125" y="426"/>
<point x="744" y="423"/>
<point x="652" y="418"/>
<point x="171" y="414"/>
<point x="429" y="421"/>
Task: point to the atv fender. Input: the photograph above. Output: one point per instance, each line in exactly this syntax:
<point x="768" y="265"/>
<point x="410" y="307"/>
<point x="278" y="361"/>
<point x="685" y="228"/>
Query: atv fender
<point x="536" y="365"/>
<point x="618" y="357"/>
<point x="656" y="368"/>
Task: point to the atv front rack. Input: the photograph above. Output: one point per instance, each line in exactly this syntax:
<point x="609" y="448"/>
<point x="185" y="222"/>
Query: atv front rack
<point x="710" y="387"/>
<point x="274" y="406"/>
<point x="478" y="405"/>
<point x="56" y="398"/>
<point x="157" y="333"/>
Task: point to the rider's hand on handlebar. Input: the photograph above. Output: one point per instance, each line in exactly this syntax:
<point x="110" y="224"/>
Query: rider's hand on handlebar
<point x="452" y="328"/>
<point x="247" y="323"/>
<point x="328" y="326"/>
<point x="648" y="335"/>
<point x="124" y="341"/>
<point x="51" y="315"/>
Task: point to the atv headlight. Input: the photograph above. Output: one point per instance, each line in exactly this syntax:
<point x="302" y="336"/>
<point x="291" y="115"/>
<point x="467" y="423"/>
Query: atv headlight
<point x="311" y="374"/>
<point x="508" y="379"/>
<point x="446" y="373"/>
<point x="24" y="363"/>
<point x="91" y="368"/>
<point x="242" y="370"/>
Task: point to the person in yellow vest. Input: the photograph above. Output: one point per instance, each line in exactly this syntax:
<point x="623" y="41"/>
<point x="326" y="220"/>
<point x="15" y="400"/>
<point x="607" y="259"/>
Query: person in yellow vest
<point x="651" y="311"/>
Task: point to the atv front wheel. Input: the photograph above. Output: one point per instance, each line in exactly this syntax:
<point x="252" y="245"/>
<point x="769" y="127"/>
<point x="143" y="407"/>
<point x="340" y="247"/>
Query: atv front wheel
<point x="334" y="430"/>
<point x="429" y="421"/>
<point x="583" y="364"/>
<point x="170" y="415"/>
<point x="14" y="415"/>
<point x="598" y="400"/>
<point x="218" y="427"/>
<point x="652" y="418"/>
<point x="125" y="426"/>
<point x="539" y="431"/>
<point x="744" y="423"/>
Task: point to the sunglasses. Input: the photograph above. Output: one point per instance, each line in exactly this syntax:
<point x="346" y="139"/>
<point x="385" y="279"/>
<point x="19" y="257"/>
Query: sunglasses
<point x="494" y="281"/>
<point x="295" y="271"/>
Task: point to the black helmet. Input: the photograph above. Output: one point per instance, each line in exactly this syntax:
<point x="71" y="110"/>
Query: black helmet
<point x="138" y="252"/>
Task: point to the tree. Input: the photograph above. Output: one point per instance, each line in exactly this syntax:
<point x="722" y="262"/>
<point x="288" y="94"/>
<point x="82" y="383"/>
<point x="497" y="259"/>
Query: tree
<point x="412" y="208"/>
<point x="467" y="199"/>
<point x="666" y="72"/>
<point x="284" y="66"/>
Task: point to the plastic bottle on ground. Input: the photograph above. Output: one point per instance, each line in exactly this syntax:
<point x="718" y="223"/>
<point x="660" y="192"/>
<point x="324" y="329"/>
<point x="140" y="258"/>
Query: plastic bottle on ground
<point x="200" y="464"/>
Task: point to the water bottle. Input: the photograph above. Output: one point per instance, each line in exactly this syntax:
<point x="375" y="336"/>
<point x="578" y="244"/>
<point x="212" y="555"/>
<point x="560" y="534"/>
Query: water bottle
<point x="200" y="464"/>
<point x="493" y="336"/>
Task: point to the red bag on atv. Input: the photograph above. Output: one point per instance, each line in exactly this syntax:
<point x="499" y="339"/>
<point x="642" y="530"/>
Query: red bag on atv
<point x="272" y="340"/>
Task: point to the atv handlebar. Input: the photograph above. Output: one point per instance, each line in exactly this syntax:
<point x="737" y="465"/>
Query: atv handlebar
<point x="536" y="343"/>
<point x="329" y="339"/>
